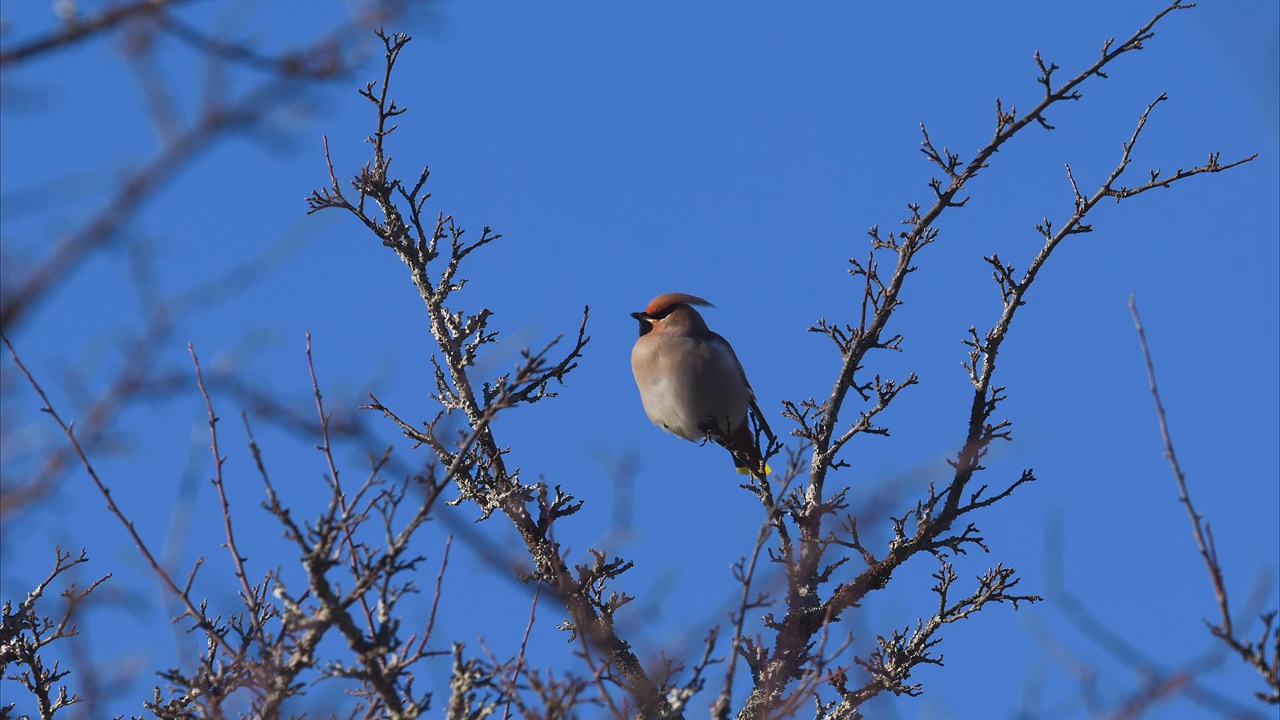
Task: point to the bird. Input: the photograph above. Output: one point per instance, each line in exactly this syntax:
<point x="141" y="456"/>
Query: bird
<point x="691" y="382"/>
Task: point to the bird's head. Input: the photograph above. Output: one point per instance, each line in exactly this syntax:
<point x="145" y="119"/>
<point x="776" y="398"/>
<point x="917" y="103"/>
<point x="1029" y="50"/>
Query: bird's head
<point x="672" y="313"/>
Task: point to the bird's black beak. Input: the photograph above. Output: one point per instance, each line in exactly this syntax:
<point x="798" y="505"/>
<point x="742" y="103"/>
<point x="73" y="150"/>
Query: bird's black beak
<point x="645" y="324"/>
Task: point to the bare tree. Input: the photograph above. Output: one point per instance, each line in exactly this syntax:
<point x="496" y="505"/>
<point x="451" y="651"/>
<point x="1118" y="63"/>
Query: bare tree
<point x="790" y="664"/>
<point x="337" y="619"/>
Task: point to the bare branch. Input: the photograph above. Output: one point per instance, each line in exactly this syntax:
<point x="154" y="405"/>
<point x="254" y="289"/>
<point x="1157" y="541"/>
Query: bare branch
<point x="1264" y="659"/>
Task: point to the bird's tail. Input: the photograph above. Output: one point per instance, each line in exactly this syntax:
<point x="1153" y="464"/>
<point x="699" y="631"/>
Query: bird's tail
<point x="742" y="444"/>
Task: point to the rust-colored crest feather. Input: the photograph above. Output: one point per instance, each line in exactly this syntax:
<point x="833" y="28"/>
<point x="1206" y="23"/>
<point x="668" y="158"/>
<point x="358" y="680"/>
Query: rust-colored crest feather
<point x="666" y="300"/>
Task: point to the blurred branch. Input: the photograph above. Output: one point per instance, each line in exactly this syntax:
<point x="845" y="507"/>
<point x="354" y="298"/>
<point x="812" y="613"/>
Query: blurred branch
<point x="330" y="56"/>
<point x="1155" y="675"/>
<point x="319" y="61"/>
<point x="336" y="51"/>
<point x="134" y="191"/>
<point x="75" y="29"/>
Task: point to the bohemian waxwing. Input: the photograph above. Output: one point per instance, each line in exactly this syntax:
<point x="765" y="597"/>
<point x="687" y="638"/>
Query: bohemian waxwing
<point x="691" y="382"/>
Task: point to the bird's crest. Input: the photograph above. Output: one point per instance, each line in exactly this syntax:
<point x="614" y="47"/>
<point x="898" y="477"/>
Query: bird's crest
<point x="666" y="301"/>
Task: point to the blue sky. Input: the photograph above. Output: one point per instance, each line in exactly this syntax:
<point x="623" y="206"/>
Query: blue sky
<point x="738" y="152"/>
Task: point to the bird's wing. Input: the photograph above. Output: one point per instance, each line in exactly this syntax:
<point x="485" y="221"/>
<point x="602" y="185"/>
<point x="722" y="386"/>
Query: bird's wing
<point x="753" y="407"/>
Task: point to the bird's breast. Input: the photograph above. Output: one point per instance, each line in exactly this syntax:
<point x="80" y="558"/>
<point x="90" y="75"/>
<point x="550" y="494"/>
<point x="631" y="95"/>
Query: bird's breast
<point x="689" y="384"/>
